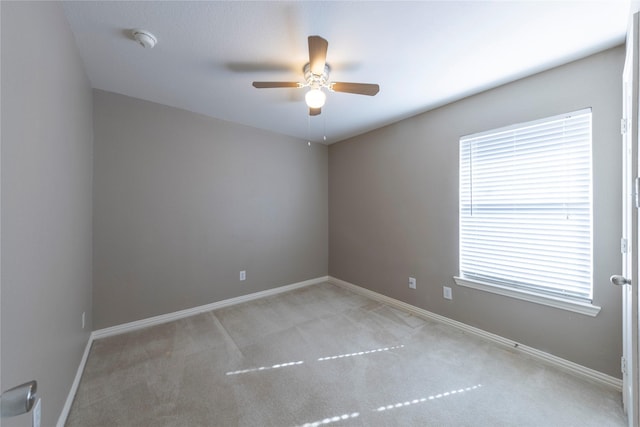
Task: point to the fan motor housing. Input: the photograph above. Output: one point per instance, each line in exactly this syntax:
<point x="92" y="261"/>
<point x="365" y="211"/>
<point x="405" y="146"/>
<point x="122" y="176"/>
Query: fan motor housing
<point x="315" y="80"/>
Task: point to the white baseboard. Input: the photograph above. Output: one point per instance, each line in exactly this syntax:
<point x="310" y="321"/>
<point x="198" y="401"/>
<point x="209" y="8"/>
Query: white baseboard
<point x="74" y="386"/>
<point x="164" y="318"/>
<point x="169" y="317"/>
<point x="563" y="364"/>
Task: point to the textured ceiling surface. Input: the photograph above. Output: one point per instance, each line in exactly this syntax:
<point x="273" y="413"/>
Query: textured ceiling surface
<point x="423" y="54"/>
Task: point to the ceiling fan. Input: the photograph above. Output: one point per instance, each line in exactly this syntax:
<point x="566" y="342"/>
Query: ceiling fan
<point x="316" y="76"/>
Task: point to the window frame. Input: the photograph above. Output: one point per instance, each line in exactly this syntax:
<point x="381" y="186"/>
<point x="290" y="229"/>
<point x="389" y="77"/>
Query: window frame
<point x="501" y="287"/>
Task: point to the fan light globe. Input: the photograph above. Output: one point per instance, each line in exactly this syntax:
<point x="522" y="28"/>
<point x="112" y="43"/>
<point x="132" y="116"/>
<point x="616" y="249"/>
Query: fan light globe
<point x="315" y="98"/>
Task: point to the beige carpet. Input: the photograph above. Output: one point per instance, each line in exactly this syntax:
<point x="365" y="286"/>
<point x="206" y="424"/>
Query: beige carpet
<point x="322" y="355"/>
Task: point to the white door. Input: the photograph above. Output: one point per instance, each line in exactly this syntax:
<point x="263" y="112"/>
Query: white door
<point x="629" y="280"/>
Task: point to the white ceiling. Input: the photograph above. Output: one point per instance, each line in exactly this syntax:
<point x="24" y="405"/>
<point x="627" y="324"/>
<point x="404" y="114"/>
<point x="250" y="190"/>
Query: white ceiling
<point x="422" y="54"/>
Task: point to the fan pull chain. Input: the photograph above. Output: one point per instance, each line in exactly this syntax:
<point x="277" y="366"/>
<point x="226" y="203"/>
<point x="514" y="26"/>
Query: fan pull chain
<point x="324" y="125"/>
<point x="309" y="130"/>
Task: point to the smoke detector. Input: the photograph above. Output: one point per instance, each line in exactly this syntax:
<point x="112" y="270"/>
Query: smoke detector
<point x="144" y="38"/>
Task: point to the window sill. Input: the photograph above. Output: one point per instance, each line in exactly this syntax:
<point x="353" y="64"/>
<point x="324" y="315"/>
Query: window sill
<point x="575" y="306"/>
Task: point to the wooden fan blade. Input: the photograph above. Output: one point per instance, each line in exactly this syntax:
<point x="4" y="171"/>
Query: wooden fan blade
<point x="357" y="88"/>
<point x="317" y="54"/>
<point x="266" y="85"/>
<point x="315" y="111"/>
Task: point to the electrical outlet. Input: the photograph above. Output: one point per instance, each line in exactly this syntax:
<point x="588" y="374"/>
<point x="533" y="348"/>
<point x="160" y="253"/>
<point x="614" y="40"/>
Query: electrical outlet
<point x="243" y="275"/>
<point x="83" y="318"/>
<point x="446" y="292"/>
<point x="412" y="282"/>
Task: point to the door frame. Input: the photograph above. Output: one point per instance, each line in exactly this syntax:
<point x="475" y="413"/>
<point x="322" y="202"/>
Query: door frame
<point x="630" y="225"/>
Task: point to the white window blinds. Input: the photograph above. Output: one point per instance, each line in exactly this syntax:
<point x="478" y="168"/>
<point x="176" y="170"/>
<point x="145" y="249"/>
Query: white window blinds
<point x="525" y="206"/>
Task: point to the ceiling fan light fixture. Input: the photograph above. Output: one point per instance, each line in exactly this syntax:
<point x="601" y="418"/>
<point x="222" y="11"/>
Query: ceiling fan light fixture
<point x="316" y="77"/>
<point x="315" y="98"/>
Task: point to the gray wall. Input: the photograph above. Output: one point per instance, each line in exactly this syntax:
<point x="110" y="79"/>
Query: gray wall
<point x="393" y="210"/>
<point x="183" y="202"/>
<point x="46" y="204"/>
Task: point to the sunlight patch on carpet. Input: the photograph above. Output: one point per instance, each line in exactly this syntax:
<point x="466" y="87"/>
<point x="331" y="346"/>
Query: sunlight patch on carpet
<point x="426" y="399"/>
<point x="331" y="420"/>
<point x="359" y="353"/>
<point x="266" y="368"/>
<point x="321" y="359"/>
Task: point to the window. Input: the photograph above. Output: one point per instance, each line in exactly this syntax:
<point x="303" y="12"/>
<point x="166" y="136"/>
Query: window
<point x="525" y="211"/>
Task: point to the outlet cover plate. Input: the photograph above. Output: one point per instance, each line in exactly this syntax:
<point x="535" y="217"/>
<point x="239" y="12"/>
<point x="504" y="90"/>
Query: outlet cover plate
<point x="446" y="292"/>
<point x="412" y="282"/>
